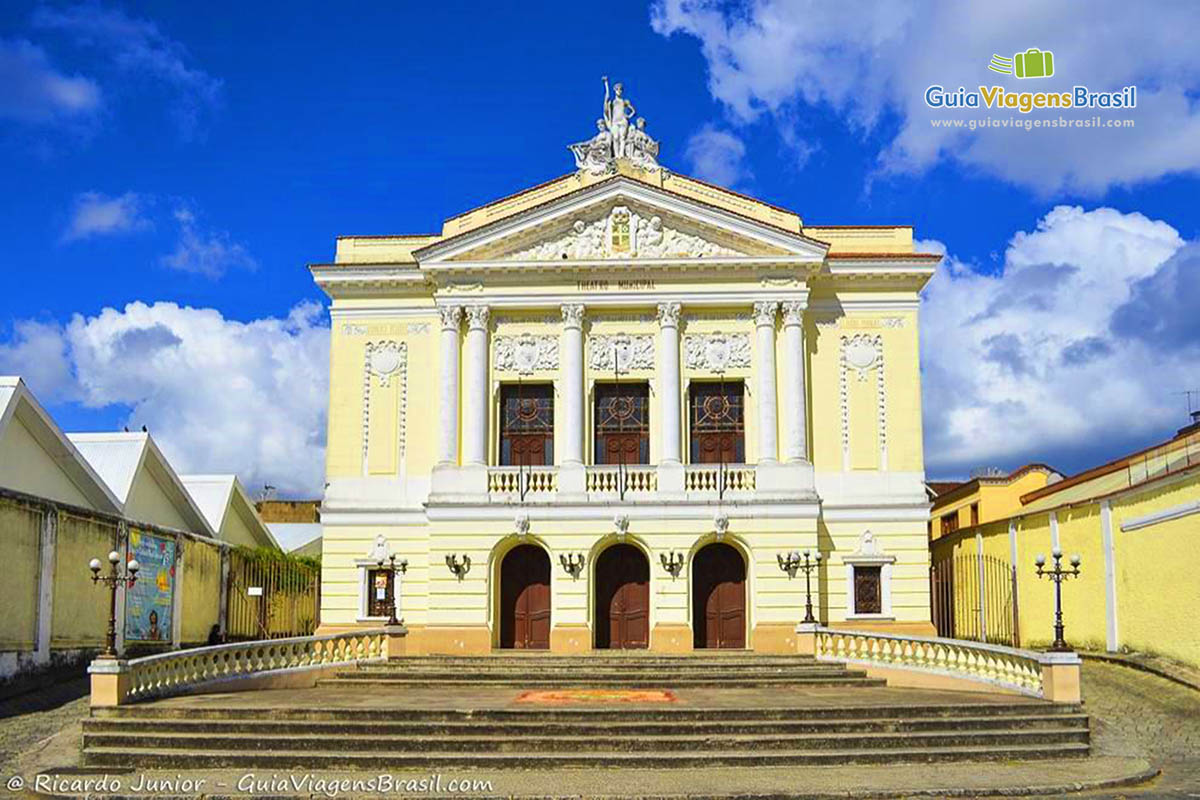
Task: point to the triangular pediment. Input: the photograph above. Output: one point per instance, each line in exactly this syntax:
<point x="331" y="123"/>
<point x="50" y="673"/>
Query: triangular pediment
<point x="621" y="219"/>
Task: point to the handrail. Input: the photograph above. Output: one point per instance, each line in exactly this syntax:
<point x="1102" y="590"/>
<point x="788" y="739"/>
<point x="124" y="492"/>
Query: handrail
<point x="1006" y="667"/>
<point x="178" y="671"/>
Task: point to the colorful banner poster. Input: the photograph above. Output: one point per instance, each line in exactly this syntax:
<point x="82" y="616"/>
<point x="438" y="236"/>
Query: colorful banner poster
<point x="148" y="601"/>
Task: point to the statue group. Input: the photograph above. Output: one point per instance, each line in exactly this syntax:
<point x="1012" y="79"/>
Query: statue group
<point x="616" y="137"/>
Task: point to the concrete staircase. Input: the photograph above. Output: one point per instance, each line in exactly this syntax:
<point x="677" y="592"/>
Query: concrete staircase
<point x="768" y="711"/>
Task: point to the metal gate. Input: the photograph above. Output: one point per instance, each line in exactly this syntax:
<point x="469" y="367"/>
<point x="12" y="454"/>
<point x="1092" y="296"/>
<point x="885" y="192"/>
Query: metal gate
<point x="271" y="598"/>
<point x="974" y="597"/>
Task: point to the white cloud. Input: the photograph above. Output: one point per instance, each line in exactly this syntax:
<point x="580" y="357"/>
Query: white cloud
<point x="205" y="252"/>
<point x="868" y="60"/>
<point x="1083" y="338"/>
<point x="33" y="91"/>
<point x="95" y="214"/>
<point x="137" y="47"/>
<point x="716" y="156"/>
<point x="218" y="395"/>
<point x="38" y="353"/>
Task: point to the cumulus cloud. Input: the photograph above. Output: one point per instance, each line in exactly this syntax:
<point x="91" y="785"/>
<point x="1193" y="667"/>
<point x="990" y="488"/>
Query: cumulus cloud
<point x="33" y="91"/>
<point x="138" y="48"/>
<point x="1082" y="338"/>
<point x="218" y="395"/>
<point x="95" y="214"/>
<point x="717" y="156"/>
<point x="869" y="62"/>
<point x="204" y="251"/>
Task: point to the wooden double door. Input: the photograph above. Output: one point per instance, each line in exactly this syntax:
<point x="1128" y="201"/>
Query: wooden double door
<point x="525" y="599"/>
<point x="718" y="598"/>
<point x="622" y="598"/>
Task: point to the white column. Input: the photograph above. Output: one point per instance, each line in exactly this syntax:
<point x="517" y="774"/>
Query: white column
<point x="672" y="417"/>
<point x="572" y="377"/>
<point x="448" y="411"/>
<point x="768" y="408"/>
<point x="795" y="398"/>
<point x="1112" y="637"/>
<point x="475" y="406"/>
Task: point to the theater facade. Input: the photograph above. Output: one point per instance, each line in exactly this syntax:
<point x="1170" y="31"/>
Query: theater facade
<point x="606" y="412"/>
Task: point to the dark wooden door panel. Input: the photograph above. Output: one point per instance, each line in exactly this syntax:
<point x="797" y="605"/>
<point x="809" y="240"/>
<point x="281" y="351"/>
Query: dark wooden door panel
<point x="525" y="599"/>
<point x="622" y="598"/>
<point x="719" y="598"/>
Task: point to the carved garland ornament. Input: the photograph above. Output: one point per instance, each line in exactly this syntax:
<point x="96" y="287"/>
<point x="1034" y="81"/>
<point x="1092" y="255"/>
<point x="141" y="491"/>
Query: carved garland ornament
<point x="716" y="352"/>
<point x="385" y="359"/>
<point x="629" y="351"/>
<point x="862" y="353"/>
<point x="525" y="353"/>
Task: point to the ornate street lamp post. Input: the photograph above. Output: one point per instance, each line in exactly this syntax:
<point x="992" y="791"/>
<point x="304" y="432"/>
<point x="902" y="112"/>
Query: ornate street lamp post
<point x="791" y="564"/>
<point x="1058" y="575"/>
<point x="393" y="567"/>
<point x="114" y="578"/>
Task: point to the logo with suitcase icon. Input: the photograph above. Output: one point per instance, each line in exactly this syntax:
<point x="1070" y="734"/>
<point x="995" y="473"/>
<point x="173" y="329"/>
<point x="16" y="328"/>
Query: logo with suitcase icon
<point x="1033" y="63"/>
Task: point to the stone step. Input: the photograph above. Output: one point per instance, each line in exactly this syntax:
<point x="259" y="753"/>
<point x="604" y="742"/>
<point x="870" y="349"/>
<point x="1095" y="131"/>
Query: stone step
<point x="542" y="745"/>
<point x="268" y="728"/>
<point x="605" y="714"/>
<point x="172" y="758"/>
<point x="534" y="659"/>
<point x="616" y="682"/>
<point x="659" y="673"/>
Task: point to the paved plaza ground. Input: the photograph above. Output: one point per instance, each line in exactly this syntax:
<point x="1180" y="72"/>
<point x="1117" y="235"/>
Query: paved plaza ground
<point x="1140" y="722"/>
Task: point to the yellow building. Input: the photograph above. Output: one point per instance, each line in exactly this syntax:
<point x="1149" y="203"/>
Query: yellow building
<point x="597" y="413"/>
<point x="1133" y="521"/>
<point x="986" y="497"/>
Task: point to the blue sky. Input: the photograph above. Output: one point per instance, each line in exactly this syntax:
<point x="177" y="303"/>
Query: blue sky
<point x="202" y="154"/>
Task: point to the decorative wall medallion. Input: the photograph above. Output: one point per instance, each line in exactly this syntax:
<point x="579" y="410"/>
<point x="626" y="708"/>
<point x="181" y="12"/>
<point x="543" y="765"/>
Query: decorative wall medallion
<point x="861" y="353"/>
<point x="716" y="352"/>
<point x="385" y="358"/>
<point x="720" y="526"/>
<point x="623" y="352"/>
<point x="525" y="353"/>
<point x="521" y="525"/>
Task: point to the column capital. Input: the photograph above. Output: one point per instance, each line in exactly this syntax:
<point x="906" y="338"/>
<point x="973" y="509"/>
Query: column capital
<point x="451" y="317"/>
<point x="668" y="315"/>
<point x="793" y="312"/>
<point x="477" y="317"/>
<point x="765" y="312"/>
<point x="572" y="314"/>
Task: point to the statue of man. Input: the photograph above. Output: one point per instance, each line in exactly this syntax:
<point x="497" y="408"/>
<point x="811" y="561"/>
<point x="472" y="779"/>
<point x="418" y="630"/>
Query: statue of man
<point x="617" y="113"/>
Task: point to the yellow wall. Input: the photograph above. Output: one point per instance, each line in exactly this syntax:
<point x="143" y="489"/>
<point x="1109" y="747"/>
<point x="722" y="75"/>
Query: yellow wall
<point x="20" y="531"/>
<point x="80" y="614"/>
<point x="1158" y="578"/>
<point x="201" y="588"/>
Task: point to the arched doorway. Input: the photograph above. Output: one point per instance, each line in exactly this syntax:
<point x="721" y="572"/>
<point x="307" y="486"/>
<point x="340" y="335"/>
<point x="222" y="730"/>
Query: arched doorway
<point x="718" y="598"/>
<point x="525" y="598"/>
<point x="622" y="598"/>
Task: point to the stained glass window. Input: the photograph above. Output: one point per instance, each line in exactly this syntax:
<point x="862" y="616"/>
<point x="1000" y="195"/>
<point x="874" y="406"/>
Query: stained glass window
<point x="717" y="423"/>
<point x="622" y="423"/>
<point x="527" y="425"/>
